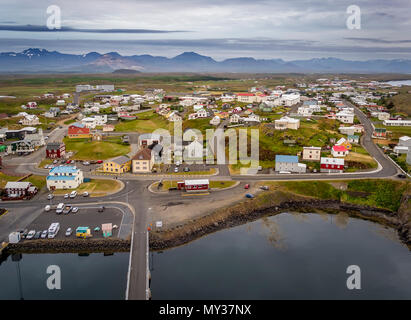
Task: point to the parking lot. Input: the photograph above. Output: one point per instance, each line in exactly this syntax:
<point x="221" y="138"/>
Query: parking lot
<point x="92" y="166"/>
<point x="85" y="217"/>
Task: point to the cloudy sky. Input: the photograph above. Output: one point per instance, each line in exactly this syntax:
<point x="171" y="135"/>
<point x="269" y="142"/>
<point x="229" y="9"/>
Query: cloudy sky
<point x="287" y="29"/>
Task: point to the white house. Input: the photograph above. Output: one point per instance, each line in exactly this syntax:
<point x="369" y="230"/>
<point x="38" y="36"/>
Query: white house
<point x="290" y="99"/>
<point x="289" y="163"/>
<point x="64" y="177"/>
<point x="339" y="151"/>
<point x="30" y="120"/>
<point x="194" y="151"/>
<point x="215" y="121"/>
<point x="286" y="123"/>
<point x="397" y="123"/>
<point x="404" y="141"/>
<point x="345" y="117"/>
<point x="235" y="118"/>
<point x="311" y="153"/>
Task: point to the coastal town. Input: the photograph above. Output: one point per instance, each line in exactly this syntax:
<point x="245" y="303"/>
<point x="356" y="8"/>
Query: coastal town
<point x="101" y="163"/>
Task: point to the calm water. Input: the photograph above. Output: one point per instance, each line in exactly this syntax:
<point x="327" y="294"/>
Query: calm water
<point x="82" y="277"/>
<point x="286" y="257"/>
<point x="400" y="83"/>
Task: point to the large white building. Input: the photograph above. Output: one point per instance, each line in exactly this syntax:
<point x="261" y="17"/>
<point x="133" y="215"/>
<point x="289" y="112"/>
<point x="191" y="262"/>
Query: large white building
<point x="345" y="117"/>
<point x="64" y="177"/>
<point x="397" y="123"/>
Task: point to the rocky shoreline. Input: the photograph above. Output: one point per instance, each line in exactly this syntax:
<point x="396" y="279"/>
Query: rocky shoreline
<point x="183" y="234"/>
<point x="68" y="246"/>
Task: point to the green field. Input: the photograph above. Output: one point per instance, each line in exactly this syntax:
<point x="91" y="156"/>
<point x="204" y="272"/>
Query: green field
<point x="96" y="150"/>
<point x="146" y="122"/>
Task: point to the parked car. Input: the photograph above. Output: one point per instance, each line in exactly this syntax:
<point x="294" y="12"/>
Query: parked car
<point x="37" y="235"/>
<point x="74" y="210"/>
<point x="99" y="161"/>
<point x="47" y="208"/>
<point x="249" y="195"/>
<point x="401" y="176"/>
<point x="100" y="209"/>
<point x="73" y="194"/>
<point x="50" y="196"/>
<point x="66" y="196"/>
<point x="55" y="161"/>
<point x="186" y="169"/>
<point x="69" y="231"/>
<point x="67" y="209"/>
<point x="85" y="194"/>
<point x="44" y="234"/>
<point x="31" y="234"/>
<point x="25" y="233"/>
<point x="46" y="166"/>
<point x="177" y="163"/>
<point x="86" y="163"/>
<point x="176" y="169"/>
<point x="264" y="188"/>
<point x="247" y="186"/>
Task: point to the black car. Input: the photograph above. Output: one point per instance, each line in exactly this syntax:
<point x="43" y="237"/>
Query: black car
<point x="401" y="176"/>
<point x="25" y="233"/>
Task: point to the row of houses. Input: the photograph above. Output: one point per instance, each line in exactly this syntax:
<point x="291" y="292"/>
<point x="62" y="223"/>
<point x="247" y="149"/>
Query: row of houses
<point x="286" y="163"/>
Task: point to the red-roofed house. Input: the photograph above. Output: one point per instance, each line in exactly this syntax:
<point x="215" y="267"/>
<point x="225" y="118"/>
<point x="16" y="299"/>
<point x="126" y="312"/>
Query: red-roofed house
<point x="339" y="151"/>
<point x="78" y="131"/>
<point x="247" y="97"/>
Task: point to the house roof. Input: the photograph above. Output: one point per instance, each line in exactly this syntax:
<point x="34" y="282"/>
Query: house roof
<point x="54" y="145"/>
<point x="143" y="154"/>
<point x="339" y="148"/>
<point x="120" y="160"/>
<point x="337" y="161"/>
<point x="64" y="169"/>
<point x="246" y="94"/>
<point x="17" y="185"/>
<point x="284" y="158"/>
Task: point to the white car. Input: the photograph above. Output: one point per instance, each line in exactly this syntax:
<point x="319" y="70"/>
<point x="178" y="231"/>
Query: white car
<point x="176" y="169"/>
<point x="69" y="231"/>
<point x="50" y="196"/>
<point x="74" y="210"/>
<point x="73" y="194"/>
<point x="47" y="208"/>
<point x="86" y="194"/>
<point x="86" y="163"/>
<point x="31" y="234"/>
<point x="66" y="196"/>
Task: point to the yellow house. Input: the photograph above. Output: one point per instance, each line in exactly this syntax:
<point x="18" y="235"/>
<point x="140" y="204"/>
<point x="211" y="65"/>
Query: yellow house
<point x="143" y="161"/>
<point x="120" y="164"/>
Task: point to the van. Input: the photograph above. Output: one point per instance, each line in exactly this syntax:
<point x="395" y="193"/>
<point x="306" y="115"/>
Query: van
<point x="60" y="208"/>
<point x="53" y="230"/>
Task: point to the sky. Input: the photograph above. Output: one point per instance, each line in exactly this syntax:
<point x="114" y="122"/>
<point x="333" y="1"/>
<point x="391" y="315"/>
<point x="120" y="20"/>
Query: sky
<point x="265" y="29"/>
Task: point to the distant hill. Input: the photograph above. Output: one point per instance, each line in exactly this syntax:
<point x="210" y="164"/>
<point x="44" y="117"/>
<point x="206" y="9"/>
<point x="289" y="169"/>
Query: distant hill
<point x="36" y="60"/>
<point x="125" y="71"/>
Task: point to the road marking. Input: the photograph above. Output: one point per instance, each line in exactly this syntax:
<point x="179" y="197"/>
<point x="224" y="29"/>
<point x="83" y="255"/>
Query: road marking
<point x="195" y="194"/>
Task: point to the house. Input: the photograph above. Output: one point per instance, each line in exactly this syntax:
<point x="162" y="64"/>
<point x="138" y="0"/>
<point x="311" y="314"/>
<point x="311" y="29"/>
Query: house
<point x="215" y="121"/>
<point x="64" y="177"/>
<point x="19" y="190"/>
<point x="379" y="133"/>
<point x="397" y="123"/>
<point x="383" y="116"/>
<point x="235" y="118"/>
<point x="344" y="142"/>
<point x="311" y="153"/>
<point x="78" y="130"/>
<point x="194" y="151"/>
<point x="108" y="128"/>
<point x="145" y="140"/>
<point x="339" y="151"/>
<point x="52" y="112"/>
<point x="202" y="113"/>
<point x="173" y="117"/>
<point x="55" y="150"/>
<point x="94" y="121"/>
<point x="289" y="163"/>
<point x="247" y="97"/>
<point x="351" y="130"/>
<point x="30" y="143"/>
<point x="30" y="120"/>
<point x="60" y="103"/>
<point x="287" y="123"/>
<point x="143" y="161"/>
<point x="353" y="138"/>
<point x="345" y="117"/>
<point x="404" y="141"/>
<point x="120" y="164"/>
<point x="331" y="165"/>
<point x="31" y="105"/>
<point x="305" y="111"/>
<point x="290" y="99"/>
<point x="401" y="149"/>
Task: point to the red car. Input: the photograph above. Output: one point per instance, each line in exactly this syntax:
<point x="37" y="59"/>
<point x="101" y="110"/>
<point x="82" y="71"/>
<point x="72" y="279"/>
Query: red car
<point x="247" y="186"/>
<point x="99" y="161"/>
<point x="68" y="161"/>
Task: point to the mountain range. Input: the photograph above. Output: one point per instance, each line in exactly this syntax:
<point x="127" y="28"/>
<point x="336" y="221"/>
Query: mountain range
<point x="36" y="60"/>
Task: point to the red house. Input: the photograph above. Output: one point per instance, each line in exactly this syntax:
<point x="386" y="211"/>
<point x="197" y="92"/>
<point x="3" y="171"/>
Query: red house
<point x="55" y="150"/>
<point x="193" y="185"/>
<point x="78" y="131"/>
<point x="332" y="165"/>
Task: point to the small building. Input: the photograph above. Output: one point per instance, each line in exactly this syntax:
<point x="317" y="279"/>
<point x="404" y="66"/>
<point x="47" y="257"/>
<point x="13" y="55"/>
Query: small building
<point x="345" y="117"/>
<point x="353" y="138"/>
<point x="331" y="165"/>
<point x="64" y="177"/>
<point x="339" y="151"/>
<point x="286" y="123"/>
<point x="379" y="133"/>
<point x="121" y="164"/>
<point x="397" y="123"/>
<point x="148" y="139"/>
<point x="215" y="121"/>
<point x="55" y="150"/>
<point x="311" y="153"/>
<point x="20" y="190"/>
<point x="194" y="185"/>
<point x="14" y="237"/>
<point x="143" y="161"/>
<point x="404" y="141"/>
<point x="108" y="128"/>
<point x="289" y="163"/>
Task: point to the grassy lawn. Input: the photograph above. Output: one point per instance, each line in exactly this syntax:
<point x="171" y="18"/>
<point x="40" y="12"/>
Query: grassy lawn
<point x="96" y="150"/>
<point x="372" y="192"/>
<point x="146" y="122"/>
<point x="45" y="162"/>
<point x="96" y="187"/>
<point x="200" y="124"/>
<point x="191" y="173"/>
<point x="38" y="181"/>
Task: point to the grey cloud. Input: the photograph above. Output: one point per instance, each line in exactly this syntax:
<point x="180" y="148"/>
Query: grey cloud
<point x="34" y="28"/>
